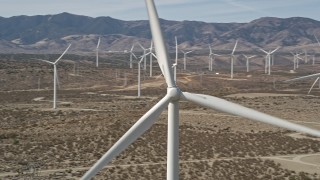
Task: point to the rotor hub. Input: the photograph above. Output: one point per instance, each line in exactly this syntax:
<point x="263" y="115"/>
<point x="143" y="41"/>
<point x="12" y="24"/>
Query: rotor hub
<point x="174" y="93"/>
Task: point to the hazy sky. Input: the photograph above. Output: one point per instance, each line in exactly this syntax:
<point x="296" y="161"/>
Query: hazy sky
<point x="199" y="10"/>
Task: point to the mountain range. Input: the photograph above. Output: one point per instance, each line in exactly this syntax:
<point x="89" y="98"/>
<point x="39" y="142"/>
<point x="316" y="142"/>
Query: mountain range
<point x="52" y="34"/>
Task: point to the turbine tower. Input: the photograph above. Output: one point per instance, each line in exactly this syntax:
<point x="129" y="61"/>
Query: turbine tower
<point x="97" y="53"/>
<point x="185" y="58"/>
<point x="139" y="76"/>
<point x="55" y="76"/>
<point x="232" y="58"/>
<point x="171" y="100"/>
<point x="268" y="59"/>
<point x="151" y="54"/>
<point x="247" y="62"/>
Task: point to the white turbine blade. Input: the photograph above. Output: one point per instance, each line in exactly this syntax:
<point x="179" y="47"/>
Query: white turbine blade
<point x="264" y="51"/>
<point x="189" y="52"/>
<point x="176" y="40"/>
<point x="141" y="59"/>
<point x="274" y="50"/>
<point x="182" y="51"/>
<point x="304" y="77"/>
<point x="245" y="56"/>
<point x="141" y="46"/>
<point x="45" y="61"/>
<point x="98" y="43"/>
<point x="317" y="39"/>
<point x="142" y="125"/>
<point x="313" y="85"/>
<point x="238" y="110"/>
<point x="210" y="49"/>
<point x="57" y="77"/>
<point x="235" y="46"/>
<point x="159" y="43"/>
<point x="154" y="55"/>
<point x="132" y="48"/>
<point x="251" y="57"/>
<point x="62" y="54"/>
<point x="134" y="55"/>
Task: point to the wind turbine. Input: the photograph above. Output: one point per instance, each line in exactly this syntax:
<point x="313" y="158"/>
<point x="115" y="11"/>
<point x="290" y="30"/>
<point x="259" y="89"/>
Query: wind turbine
<point x="145" y="57"/>
<point x="296" y="60"/>
<point x="232" y="58"/>
<point x="139" y="73"/>
<point x="97" y="53"/>
<point x="171" y="100"/>
<point x="185" y="58"/>
<point x="307" y="77"/>
<point x="268" y="59"/>
<point x="132" y="54"/>
<point x="247" y="62"/>
<point x="55" y="76"/>
<point x="212" y="56"/>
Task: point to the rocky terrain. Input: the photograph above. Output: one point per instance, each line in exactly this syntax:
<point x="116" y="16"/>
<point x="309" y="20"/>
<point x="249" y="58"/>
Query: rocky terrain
<point x="97" y="105"/>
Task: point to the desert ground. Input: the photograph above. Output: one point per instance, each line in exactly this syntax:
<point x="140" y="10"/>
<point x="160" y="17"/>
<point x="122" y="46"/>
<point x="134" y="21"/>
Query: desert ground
<point x="96" y="106"/>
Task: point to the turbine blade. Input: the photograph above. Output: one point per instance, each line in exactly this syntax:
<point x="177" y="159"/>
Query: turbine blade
<point x="159" y="43"/>
<point x="189" y="52"/>
<point x="251" y="56"/>
<point x="134" y="55"/>
<point x="274" y="50"/>
<point x="235" y="46"/>
<point x="62" y="54"/>
<point x="245" y="56"/>
<point x="264" y="51"/>
<point x="176" y="40"/>
<point x="141" y="46"/>
<point x="238" y="110"/>
<point x="141" y="126"/>
<point x="313" y="85"/>
<point x="210" y="49"/>
<point x="182" y="51"/>
<point x="303" y="77"/>
<point x="43" y="60"/>
<point x="98" y="43"/>
<point x="132" y="48"/>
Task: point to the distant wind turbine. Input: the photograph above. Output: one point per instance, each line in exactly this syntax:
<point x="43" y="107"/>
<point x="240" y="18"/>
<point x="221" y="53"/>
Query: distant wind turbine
<point x="247" y="62"/>
<point x="268" y="59"/>
<point x="212" y="57"/>
<point x="185" y="58"/>
<point x="139" y="67"/>
<point x="97" y="53"/>
<point x="232" y="58"/>
<point x="55" y="76"/>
